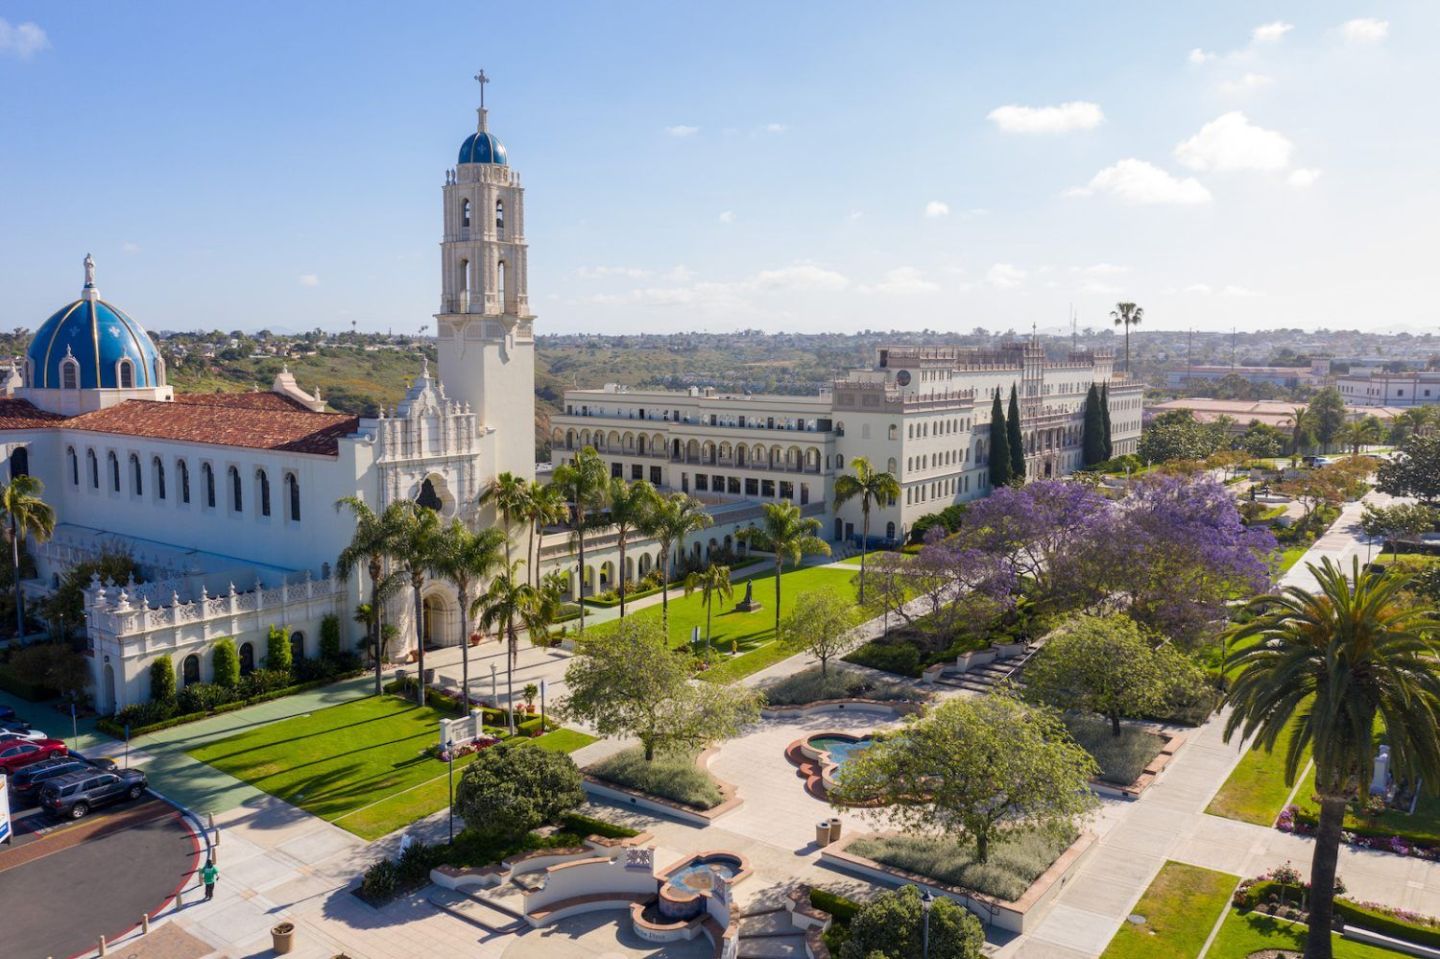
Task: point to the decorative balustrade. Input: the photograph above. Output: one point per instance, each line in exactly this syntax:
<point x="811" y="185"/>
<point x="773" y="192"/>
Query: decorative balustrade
<point x="116" y="611"/>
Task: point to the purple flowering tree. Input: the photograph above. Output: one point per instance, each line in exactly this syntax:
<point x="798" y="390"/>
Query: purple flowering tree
<point x="1035" y="527"/>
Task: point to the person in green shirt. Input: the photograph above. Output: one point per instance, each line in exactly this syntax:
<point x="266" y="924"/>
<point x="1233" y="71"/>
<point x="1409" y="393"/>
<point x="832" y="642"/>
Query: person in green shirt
<point x="208" y="875"/>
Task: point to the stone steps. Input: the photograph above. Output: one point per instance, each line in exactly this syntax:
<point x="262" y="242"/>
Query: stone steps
<point x="476" y="911"/>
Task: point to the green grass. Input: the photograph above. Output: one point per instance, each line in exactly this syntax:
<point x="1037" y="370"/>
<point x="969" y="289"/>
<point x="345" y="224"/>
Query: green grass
<point x="1421" y="827"/>
<point x="675" y="777"/>
<point x="1256" y="790"/>
<point x="1180" y="909"/>
<point x="1290" y="556"/>
<point x="1014" y="863"/>
<point x="361" y="765"/>
<point x="1247" y="932"/>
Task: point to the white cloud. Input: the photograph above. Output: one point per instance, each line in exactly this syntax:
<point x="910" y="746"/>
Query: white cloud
<point x="1365" y="30"/>
<point x="855" y="215"/>
<point x="902" y="281"/>
<point x="1198" y="289"/>
<point x="1101" y="269"/>
<point x="1303" y="177"/>
<point x="802" y="276"/>
<point x="775" y="128"/>
<point x="1135" y="181"/>
<point x="309" y="279"/>
<point x="1250" y="81"/>
<point x="679" y="274"/>
<point x="728" y="216"/>
<point x="1198" y="56"/>
<point x="22" y="40"/>
<point x="1271" y="32"/>
<point x="129" y="247"/>
<point x="937" y="208"/>
<point x="1233" y="290"/>
<point x="1098" y="288"/>
<point x="1075" y="115"/>
<point x="729" y="297"/>
<point x="1232" y="142"/>
<point x="680" y="130"/>
<point x="600" y="272"/>
<point x="1004" y="276"/>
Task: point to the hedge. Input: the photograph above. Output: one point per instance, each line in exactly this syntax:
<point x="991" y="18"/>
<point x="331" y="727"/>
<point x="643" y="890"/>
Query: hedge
<point x="110" y="727"/>
<point x="900" y="658"/>
<point x="605" y="602"/>
<point x="842" y="910"/>
<point x="34" y="692"/>
<point x="1354" y="914"/>
<point x="582" y="825"/>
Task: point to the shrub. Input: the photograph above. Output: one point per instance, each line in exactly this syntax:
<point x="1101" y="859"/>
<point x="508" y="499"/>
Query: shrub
<point x="511" y="789"/>
<point x="808" y="686"/>
<point x="162" y="679"/>
<point x="902" y="659"/>
<point x="330" y="637"/>
<point x="673" y="776"/>
<point x="277" y="650"/>
<point x="380" y="881"/>
<point x="14" y="685"/>
<point x="841" y="909"/>
<point x="1014" y="863"/>
<point x="892" y="922"/>
<point x="51" y="666"/>
<point x="263" y="681"/>
<point x="202" y="697"/>
<point x="226" y="662"/>
<point x="1121" y="758"/>
<point x="581" y="825"/>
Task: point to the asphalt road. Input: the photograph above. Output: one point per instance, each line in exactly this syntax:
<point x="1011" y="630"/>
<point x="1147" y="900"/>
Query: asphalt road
<point x="61" y="891"/>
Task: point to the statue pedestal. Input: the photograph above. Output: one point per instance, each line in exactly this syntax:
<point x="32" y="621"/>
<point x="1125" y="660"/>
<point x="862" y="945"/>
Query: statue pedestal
<point x="748" y="604"/>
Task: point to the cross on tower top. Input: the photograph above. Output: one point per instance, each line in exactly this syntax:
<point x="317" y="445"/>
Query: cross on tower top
<point x="482" y="79"/>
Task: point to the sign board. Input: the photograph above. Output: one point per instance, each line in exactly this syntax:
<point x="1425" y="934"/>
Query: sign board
<point x="5" y="834"/>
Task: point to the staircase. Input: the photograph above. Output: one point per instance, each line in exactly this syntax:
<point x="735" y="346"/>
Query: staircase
<point x="769" y="934"/>
<point x="476" y="910"/>
<point x="983" y="679"/>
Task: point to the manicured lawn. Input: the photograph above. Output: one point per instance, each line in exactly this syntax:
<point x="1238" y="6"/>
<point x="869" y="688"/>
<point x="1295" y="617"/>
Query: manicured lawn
<point x="1290" y="556"/>
<point x="1180" y="909"/>
<point x="1247" y="932"/>
<point x="1256" y="790"/>
<point x="362" y="765"/>
<point x="1422" y="827"/>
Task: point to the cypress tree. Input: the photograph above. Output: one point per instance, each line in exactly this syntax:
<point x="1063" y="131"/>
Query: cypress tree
<point x="1017" y="440"/>
<point x="1105" y="418"/>
<point x="1092" y="439"/>
<point x="999" y="445"/>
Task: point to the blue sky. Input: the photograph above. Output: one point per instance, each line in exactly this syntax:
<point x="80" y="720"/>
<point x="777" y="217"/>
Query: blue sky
<point x="800" y="166"/>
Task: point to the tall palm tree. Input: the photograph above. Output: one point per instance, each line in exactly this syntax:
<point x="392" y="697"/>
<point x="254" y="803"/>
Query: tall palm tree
<point x="1330" y="663"/>
<point x="712" y="581"/>
<point x="26" y="515"/>
<point x="1127" y="315"/>
<point x="674" y="517"/>
<point x="545" y="505"/>
<point x="369" y="548"/>
<point x="506" y="604"/>
<point x="412" y="546"/>
<point x="630" y="506"/>
<point x="507" y="494"/>
<point x="1366" y="431"/>
<point x="465" y="559"/>
<point x="1302" y="429"/>
<point x="585" y="484"/>
<point x="872" y="487"/>
<point x="788" y="535"/>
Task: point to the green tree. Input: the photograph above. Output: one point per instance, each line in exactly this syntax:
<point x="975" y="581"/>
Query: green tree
<point x="1092" y="435"/>
<point x="162" y="679"/>
<point x="713" y="581"/>
<point x="873" y="488"/>
<point x="1327" y="412"/>
<point x="979" y="770"/>
<point x="368" y="549"/>
<point x="53" y="665"/>
<point x="1260" y="439"/>
<point x="544" y="506"/>
<point x="1176" y="435"/>
<point x="1015" y="438"/>
<point x="67" y="604"/>
<point x="509" y="494"/>
<point x="999" y="445"/>
<point x="1362" y="432"/>
<point x="506" y="605"/>
<point x="412" y="546"/>
<point x="464" y="559"/>
<point x="628" y="682"/>
<point x="1105" y="419"/>
<point x="226" y="663"/>
<point x="673" y="518"/>
<point x="329" y="638"/>
<point x="823" y="624"/>
<point x="585" y="484"/>
<point x="1398" y="522"/>
<point x="894" y="923"/>
<point x="512" y="788"/>
<point x="27" y="516"/>
<point x="1414" y="470"/>
<point x="630" y="505"/>
<point x="1328" y="665"/>
<point x="277" y="650"/>
<point x="787" y="534"/>
<point x="1127" y="315"/>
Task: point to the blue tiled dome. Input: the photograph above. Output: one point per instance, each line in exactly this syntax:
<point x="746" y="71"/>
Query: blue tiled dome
<point x="98" y="335"/>
<point x="482" y="148"/>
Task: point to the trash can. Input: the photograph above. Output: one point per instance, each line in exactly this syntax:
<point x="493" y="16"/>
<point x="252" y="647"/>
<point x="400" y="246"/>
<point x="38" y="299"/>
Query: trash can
<point x="283" y="937"/>
<point x="822" y="833"/>
<point x="834" y="830"/>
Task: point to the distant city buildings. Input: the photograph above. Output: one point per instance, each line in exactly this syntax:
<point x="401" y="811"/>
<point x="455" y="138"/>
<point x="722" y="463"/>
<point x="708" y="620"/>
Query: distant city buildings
<point x="1285" y="376"/>
<point x="1372" y="388"/>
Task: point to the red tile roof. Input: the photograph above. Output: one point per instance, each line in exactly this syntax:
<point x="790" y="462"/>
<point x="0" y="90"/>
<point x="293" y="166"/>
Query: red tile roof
<point x="21" y="415"/>
<point x="266" y="427"/>
<point x="242" y="401"/>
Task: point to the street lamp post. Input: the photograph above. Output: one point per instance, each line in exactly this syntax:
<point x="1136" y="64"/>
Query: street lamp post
<point x="926" y="901"/>
<point x="542" y="706"/>
<point x="450" y="756"/>
<point x="494" y="690"/>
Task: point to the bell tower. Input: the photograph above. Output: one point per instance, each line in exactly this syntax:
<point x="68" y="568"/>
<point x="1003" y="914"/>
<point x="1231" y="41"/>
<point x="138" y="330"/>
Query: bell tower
<point x="484" y="330"/>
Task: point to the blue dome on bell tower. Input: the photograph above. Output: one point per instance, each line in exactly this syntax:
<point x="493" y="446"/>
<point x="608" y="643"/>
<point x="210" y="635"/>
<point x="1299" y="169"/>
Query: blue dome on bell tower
<point x="91" y="344"/>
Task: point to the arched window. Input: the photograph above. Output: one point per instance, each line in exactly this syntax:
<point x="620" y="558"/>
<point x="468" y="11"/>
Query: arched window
<point x="127" y="375"/>
<point x="208" y="473"/>
<point x="263" y="481"/>
<point x="184" y="470"/>
<point x="500" y="284"/>
<point x="69" y="374"/>
<point x="465" y="214"/>
<point x="94" y="469"/>
<point x="464" y="275"/>
<point x="890" y="531"/>
<point x="247" y="659"/>
<point x="136" y="487"/>
<point x="114" y="471"/>
<point x="428" y="498"/>
<point x="74" y="465"/>
<point x="237" y="495"/>
<point x="500" y="216"/>
<point x="292" y="494"/>
<point x="191" y="669"/>
<point x="159" y="468"/>
<point x="297" y="646"/>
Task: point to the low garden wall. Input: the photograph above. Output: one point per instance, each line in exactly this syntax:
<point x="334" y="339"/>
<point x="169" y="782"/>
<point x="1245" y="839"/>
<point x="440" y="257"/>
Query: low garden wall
<point x="889" y="709"/>
<point x="635" y="799"/>
<point x="588" y="885"/>
<point x="1173" y="742"/>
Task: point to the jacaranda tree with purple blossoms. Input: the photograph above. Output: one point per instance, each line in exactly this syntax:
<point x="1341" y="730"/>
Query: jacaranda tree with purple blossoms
<point x="955" y="587"/>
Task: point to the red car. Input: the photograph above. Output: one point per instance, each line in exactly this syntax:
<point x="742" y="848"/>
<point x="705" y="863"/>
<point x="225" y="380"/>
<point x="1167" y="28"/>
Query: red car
<point x="19" y="753"/>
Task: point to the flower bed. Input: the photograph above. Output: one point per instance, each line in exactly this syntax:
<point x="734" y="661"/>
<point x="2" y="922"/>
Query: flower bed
<point x="1282" y="892"/>
<point x="1301" y="822"/>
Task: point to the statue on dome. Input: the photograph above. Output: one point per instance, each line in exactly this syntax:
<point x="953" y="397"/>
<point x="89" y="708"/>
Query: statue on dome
<point x="89" y="270"/>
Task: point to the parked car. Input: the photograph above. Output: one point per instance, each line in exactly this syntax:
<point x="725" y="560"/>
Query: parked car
<point x="23" y="752"/>
<point x="27" y="781"/>
<point x="73" y="795"/>
<point x="26" y="732"/>
<point x="7" y="712"/>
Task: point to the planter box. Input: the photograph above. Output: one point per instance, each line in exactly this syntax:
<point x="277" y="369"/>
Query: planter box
<point x="625" y="796"/>
<point x="877" y="707"/>
<point x="978" y="657"/>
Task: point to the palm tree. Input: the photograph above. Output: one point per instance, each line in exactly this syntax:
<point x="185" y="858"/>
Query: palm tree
<point x="1329" y="664"/>
<point x="1302" y="430"/>
<point x="507" y="494"/>
<point x="465" y="558"/>
<point x="712" y="581"/>
<point x="412" y="546"/>
<point x="545" y="505"/>
<point x="508" y="603"/>
<point x="1127" y="315"/>
<point x="630" y="506"/>
<point x="369" y="548"/>
<point x="788" y="535"/>
<point x="872" y="487"/>
<point x="1365" y="431"/>
<point x="26" y="514"/>
<point x="584" y="484"/>
<point x="674" y="517"/>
